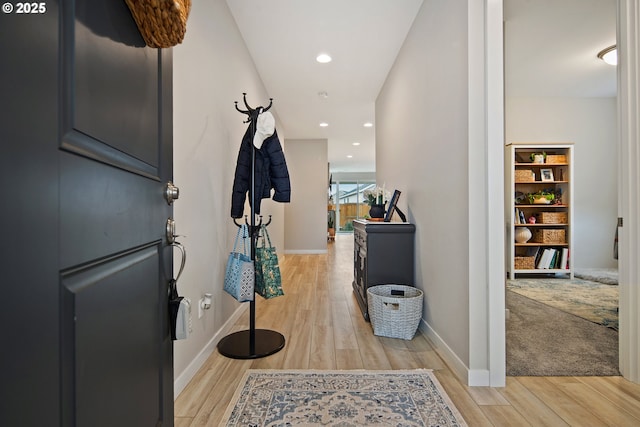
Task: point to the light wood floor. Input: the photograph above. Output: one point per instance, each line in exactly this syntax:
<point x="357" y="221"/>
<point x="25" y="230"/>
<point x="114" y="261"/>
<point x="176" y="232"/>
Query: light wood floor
<point x="324" y="329"/>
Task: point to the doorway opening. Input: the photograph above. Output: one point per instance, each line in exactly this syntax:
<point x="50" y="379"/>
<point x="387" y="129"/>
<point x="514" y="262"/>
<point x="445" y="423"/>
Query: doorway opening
<point x="534" y="102"/>
<point x="349" y="200"/>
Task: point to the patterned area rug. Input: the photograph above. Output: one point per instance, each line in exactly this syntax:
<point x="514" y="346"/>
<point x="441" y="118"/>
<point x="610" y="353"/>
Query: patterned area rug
<point x="341" y="398"/>
<point x="593" y="301"/>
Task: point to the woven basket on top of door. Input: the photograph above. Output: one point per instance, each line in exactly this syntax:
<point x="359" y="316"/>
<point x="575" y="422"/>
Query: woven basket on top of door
<point x="162" y="23"/>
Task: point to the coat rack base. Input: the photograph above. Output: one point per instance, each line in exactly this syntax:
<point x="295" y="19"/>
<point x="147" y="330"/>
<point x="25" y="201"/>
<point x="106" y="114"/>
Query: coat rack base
<point x="240" y="345"/>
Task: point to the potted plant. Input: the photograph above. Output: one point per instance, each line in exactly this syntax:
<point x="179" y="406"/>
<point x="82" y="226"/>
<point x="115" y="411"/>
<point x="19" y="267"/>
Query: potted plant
<point x="541" y="197"/>
<point x="538" y="157"/>
<point x="376" y="197"/>
<point x="331" y="227"/>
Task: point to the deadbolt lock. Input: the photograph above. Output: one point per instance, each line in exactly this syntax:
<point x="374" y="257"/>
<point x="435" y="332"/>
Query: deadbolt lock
<point x="171" y="192"/>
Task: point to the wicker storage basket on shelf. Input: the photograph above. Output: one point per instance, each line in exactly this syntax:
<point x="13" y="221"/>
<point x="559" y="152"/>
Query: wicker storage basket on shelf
<point x="524" y="175"/>
<point x="556" y="158"/>
<point x="524" y="262"/>
<point x="393" y="315"/>
<point x="552" y="218"/>
<point x="162" y="23"/>
<point x="549" y="235"/>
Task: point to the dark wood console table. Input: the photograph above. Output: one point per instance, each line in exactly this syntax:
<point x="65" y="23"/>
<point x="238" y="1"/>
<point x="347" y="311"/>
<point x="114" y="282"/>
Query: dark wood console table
<point x="383" y="253"/>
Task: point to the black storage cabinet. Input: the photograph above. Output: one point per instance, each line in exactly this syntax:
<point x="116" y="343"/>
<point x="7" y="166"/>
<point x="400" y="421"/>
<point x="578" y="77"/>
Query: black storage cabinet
<point x="383" y="253"/>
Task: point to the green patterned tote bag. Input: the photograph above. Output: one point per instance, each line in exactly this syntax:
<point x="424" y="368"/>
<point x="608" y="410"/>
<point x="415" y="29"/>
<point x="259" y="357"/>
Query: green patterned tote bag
<point x="268" y="279"/>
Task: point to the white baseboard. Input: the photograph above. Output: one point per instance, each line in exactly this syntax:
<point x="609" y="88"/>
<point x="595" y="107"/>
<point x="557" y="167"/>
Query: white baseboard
<point x="451" y="359"/>
<point x="470" y="377"/>
<point x="181" y="381"/>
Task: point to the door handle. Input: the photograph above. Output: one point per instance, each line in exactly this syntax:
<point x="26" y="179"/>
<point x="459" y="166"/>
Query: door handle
<point x="171" y="192"/>
<point x="184" y="258"/>
<point x="170" y="231"/>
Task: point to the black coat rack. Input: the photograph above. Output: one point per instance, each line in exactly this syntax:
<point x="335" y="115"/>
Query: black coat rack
<point x="252" y="343"/>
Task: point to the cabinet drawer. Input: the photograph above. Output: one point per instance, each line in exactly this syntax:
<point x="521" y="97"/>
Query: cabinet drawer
<point x="360" y="238"/>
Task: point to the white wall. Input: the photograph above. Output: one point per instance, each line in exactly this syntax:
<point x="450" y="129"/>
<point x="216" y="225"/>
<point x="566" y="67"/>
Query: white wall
<point x="212" y="68"/>
<point x="422" y="150"/>
<point x="306" y="215"/>
<point x="590" y="123"/>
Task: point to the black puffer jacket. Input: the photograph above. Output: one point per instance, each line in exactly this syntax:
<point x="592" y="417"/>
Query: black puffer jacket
<point x="270" y="172"/>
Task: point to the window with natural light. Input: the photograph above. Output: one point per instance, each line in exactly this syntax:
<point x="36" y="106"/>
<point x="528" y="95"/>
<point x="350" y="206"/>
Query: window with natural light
<point x="349" y="202"/>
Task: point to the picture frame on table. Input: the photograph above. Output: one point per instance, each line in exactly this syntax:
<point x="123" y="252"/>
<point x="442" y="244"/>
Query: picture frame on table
<point x="546" y="175"/>
<point x="393" y="207"/>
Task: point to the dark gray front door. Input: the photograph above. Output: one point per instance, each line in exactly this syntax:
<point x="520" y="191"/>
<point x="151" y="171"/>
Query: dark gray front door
<point x="86" y="153"/>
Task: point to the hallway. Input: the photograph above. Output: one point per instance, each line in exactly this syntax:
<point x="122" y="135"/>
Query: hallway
<point x="324" y="329"/>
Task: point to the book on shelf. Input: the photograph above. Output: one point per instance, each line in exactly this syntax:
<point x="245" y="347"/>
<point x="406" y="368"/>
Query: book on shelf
<point x="543" y="259"/>
<point x="560" y="259"/>
<point x="539" y="254"/>
<point x="518" y="217"/>
<point x="549" y="259"/>
<point x="554" y="259"/>
<point x="564" y="258"/>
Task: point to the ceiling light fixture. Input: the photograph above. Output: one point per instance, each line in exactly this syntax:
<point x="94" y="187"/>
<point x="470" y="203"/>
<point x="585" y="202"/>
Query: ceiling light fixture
<point x="323" y="94"/>
<point x="349" y="156"/>
<point x="368" y="125"/>
<point x="324" y="124"/>
<point x="323" y="58"/>
<point x="356" y="143"/>
<point x="609" y="55"/>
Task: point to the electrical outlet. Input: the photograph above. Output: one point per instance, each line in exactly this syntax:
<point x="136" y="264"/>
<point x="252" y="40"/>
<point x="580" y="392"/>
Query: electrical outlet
<point x="200" y="310"/>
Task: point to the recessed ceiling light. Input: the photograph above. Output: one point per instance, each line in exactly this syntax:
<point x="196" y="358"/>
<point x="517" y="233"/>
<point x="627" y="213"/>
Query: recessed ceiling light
<point x="355" y="143"/>
<point x="349" y="156"/>
<point x="368" y="125"/>
<point x="609" y="55"/>
<point x="324" y="124"/>
<point x="323" y="58"/>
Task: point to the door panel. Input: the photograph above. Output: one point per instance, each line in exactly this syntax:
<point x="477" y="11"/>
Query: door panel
<point x="111" y="310"/>
<point x="89" y="141"/>
<point x="98" y="204"/>
<point x="97" y="94"/>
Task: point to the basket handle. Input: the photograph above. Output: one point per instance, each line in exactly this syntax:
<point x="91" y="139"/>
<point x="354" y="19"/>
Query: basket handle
<point x="392" y="305"/>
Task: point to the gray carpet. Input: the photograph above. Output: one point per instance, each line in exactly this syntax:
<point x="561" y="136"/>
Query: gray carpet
<point x="592" y="301"/>
<point x="608" y="276"/>
<point x="544" y="341"/>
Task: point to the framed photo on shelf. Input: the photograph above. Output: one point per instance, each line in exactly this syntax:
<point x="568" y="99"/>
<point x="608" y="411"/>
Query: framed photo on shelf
<point x="392" y="206"/>
<point x="546" y="175"/>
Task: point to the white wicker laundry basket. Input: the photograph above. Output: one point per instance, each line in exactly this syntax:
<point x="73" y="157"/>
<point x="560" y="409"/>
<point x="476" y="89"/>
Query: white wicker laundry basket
<point x="394" y="310"/>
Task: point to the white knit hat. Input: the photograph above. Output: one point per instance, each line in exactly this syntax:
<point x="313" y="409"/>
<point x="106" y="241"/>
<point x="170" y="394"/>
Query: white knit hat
<point x="265" y="126"/>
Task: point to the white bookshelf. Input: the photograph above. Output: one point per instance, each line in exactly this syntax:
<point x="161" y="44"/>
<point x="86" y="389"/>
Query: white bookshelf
<point x="551" y="232"/>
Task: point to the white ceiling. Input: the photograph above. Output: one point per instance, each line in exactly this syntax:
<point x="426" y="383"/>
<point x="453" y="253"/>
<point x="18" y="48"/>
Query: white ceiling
<point x="363" y="38"/>
<point x="550" y="50"/>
